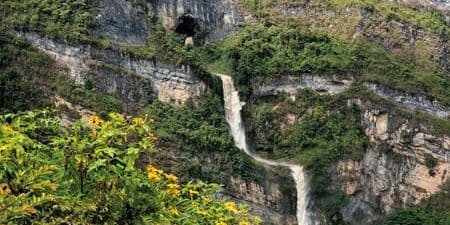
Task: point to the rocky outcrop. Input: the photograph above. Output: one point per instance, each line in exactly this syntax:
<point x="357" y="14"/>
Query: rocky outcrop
<point x="170" y="83"/>
<point x="411" y="102"/>
<point x="122" y="21"/>
<point x="135" y="80"/>
<point x="404" y="164"/>
<point x="290" y="84"/>
<point x="334" y="85"/>
<point x="271" y="199"/>
<point x="71" y="57"/>
<point x="216" y="18"/>
<point x="128" y="22"/>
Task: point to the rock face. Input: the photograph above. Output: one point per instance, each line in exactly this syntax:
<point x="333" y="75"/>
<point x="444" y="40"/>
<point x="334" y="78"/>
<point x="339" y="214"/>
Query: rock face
<point x="122" y="21"/>
<point x="127" y="22"/>
<point x="411" y="102"/>
<point x="215" y="17"/>
<point x="73" y="58"/>
<point x="135" y="80"/>
<point x="290" y="85"/>
<point x="171" y="84"/>
<point x="271" y="199"/>
<point x="404" y="164"/>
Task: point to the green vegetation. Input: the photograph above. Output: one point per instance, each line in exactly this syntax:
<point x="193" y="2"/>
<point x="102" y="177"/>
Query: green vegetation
<point x="28" y="79"/>
<point x="201" y="131"/>
<point x="86" y="174"/>
<point x="433" y="211"/>
<point x="383" y="10"/>
<point x="314" y="130"/>
<point x="265" y="51"/>
<point x="61" y="19"/>
<point x="433" y="20"/>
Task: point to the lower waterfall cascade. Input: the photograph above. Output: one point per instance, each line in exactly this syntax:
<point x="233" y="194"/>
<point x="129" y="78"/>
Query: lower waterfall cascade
<point x="233" y="107"/>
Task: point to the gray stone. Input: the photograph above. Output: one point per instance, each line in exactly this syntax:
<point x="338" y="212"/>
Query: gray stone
<point x="122" y="21"/>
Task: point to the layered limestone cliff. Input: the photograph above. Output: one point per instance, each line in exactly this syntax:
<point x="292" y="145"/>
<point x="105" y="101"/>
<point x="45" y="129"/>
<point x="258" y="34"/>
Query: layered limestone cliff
<point x="327" y="84"/>
<point x="412" y="102"/>
<point x="134" y="80"/>
<point x="290" y="84"/>
<point x="404" y="164"/>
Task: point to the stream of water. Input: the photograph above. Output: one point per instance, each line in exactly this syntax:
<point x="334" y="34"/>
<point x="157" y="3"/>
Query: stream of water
<point x="233" y="107"/>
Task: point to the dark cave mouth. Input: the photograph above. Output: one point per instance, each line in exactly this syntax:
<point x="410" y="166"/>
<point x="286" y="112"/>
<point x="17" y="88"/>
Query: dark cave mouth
<point x="188" y="26"/>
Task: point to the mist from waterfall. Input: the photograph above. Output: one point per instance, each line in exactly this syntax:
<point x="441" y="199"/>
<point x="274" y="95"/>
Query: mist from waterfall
<point x="233" y="107"/>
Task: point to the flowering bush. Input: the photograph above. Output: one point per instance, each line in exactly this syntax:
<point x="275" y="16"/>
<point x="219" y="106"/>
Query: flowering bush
<point x="86" y="174"/>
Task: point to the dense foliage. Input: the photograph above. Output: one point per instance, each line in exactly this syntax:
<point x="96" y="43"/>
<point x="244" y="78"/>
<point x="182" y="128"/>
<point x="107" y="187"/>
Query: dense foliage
<point x="86" y="174"/>
<point x="315" y="131"/>
<point x="265" y="51"/>
<point x="201" y="131"/>
<point x="61" y="19"/>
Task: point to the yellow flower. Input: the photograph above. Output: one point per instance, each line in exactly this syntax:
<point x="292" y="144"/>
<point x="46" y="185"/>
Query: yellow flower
<point x="4" y="189"/>
<point x="152" y="169"/>
<point x="95" y="121"/>
<point x="173" y="186"/>
<point x="174" y="211"/>
<point x="171" y="177"/>
<point x="206" y="200"/>
<point x="8" y="128"/>
<point x="138" y="121"/>
<point x="257" y="220"/>
<point x="153" y="176"/>
<point x="221" y="223"/>
<point x="152" y="136"/>
<point x="4" y="147"/>
<point x="231" y="206"/>
<point x="173" y="190"/>
<point x="193" y="192"/>
<point x="244" y="223"/>
<point x="202" y="212"/>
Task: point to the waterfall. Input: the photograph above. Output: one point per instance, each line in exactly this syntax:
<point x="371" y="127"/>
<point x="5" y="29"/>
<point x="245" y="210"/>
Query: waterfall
<point x="233" y="107"/>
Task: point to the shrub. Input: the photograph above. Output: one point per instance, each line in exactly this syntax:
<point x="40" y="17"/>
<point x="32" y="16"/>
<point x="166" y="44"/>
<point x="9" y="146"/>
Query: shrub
<point x="86" y="174"/>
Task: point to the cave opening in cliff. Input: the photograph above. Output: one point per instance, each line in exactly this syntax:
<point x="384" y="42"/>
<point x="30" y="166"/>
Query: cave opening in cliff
<point x="188" y="26"/>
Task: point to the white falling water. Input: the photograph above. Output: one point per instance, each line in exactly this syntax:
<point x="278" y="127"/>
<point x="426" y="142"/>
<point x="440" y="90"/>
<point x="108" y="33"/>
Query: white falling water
<point x="233" y="107"/>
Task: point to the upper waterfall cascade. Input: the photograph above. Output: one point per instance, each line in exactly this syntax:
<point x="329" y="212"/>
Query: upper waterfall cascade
<point x="233" y="107"/>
